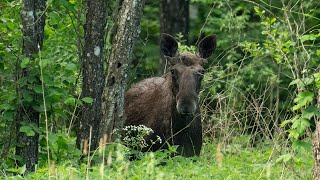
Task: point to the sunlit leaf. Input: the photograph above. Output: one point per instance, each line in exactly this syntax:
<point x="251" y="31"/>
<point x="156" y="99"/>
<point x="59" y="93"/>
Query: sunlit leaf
<point x="28" y="130"/>
<point x="71" y="67"/>
<point x="70" y="101"/>
<point x="87" y="100"/>
<point x="304" y="98"/>
<point x="284" y="158"/>
<point x="24" y="62"/>
<point x="307" y="37"/>
<point x="285" y="123"/>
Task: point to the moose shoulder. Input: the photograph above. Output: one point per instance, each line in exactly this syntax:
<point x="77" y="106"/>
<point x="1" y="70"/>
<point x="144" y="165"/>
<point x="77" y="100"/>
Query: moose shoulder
<point x="169" y="104"/>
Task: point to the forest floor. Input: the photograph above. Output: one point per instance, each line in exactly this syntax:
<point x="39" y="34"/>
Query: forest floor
<point x="235" y="160"/>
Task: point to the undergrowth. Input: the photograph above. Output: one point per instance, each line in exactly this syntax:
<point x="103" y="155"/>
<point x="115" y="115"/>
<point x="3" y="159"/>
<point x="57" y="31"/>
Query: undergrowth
<point x="217" y="161"/>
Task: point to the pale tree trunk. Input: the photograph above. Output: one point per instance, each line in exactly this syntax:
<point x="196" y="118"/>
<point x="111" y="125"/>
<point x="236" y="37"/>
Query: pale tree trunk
<point x="92" y="72"/>
<point x="128" y="25"/>
<point x="33" y="21"/>
<point x="316" y="146"/>
<point x="174" y="19"/>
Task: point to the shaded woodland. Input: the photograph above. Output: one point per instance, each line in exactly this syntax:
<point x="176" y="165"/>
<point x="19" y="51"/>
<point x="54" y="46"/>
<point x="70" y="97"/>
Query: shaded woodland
<point x="65" y="66"/>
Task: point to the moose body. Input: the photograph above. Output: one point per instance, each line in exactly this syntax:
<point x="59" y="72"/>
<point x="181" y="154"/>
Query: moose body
<point x="169" y="104"/>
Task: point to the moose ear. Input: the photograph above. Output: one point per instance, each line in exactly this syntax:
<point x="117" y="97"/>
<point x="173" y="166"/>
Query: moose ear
<point x="207" y="46"/>
<point x="168" y="45"/>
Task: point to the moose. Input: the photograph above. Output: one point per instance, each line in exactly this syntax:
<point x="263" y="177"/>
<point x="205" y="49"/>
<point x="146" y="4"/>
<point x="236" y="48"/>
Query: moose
<point x="169" y="104"/>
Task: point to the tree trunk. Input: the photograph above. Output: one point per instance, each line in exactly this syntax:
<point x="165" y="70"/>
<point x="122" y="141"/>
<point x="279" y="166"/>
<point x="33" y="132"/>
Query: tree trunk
<point x="174" y="19"/>
<point x="33" y="21"/>
<point x="316" y="152"/>
<point x="128" y="25"/>
<point x="92" y="72"/>
<point x="316" y="146"/>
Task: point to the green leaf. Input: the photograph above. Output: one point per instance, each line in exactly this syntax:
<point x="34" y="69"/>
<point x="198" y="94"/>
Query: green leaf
<point x="309" y="112"/>
<point x="71" y="67"/>
<point x="28" y="130"/>
<point x="284" y="158"/>
<point x="44" y="62"/>
<point x="296" y="107"/>
<point x="35" y="127"/>
<point x="289" y="43"/>
<point x="296" y="81"/>
<point x="38" y="107"/>
<point x="52" y="138"/>
<point x="19" y="170"/>
<point x="285" y="123"/>
<point x="31" y="79"/>
<point x="24" y="62"/>
<point x="53" y="18"/>
<point x="72" y="1"/>
<point x="293" y="134"/>
<point x="304" y="124"/>
<point x="27" y="96"/>
<point x="70" y="101"/>
<point x="308" y="37"/>
<point x="273" y="20"/>
<point x="22" y="169"/>
<point x="300" y="126"/>
<point x="37" y="89"/>
<point x="87" y="100"/>
<point x="258" y="12"/>
<point x="298" y="145"/>
<point x="8" y="115"/>
<point x="317" y="79"/>
<point x="62" y="143"/>
<point x="303" y="99"/>
<point x="79" y="102"/>
<point x="13" y="170"/>
<point x="67" y="5"/>
<point x="6" y="107"/>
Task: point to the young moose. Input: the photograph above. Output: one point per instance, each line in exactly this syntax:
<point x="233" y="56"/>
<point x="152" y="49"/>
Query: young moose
<point x="169" y="104"/>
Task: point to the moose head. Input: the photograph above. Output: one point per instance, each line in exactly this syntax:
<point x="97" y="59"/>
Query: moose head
<point x="186" y="70"/>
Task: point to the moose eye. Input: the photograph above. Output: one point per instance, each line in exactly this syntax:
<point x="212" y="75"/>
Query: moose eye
<point x="200" y="74"/>
<point x="172" y="71"/>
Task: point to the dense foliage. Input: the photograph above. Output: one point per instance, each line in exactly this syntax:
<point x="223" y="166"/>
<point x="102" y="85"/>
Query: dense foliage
<point x="258" y="96"/>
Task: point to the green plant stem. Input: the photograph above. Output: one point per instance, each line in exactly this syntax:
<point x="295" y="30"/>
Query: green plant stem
<point x="45" y="112"/>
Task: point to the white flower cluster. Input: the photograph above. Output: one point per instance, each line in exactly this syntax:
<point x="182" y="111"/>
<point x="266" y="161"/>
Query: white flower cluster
<point x="134" y="136"/>
<point x="159" y="140"/>
<point x="140" y="128"/>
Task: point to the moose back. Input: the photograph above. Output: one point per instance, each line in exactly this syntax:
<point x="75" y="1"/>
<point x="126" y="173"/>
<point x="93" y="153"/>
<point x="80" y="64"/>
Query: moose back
<point x="169" y="104"/>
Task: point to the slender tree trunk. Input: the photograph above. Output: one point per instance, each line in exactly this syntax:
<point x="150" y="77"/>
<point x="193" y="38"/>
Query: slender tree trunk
<point x="128" y="25"/>
<point x="33" y="21"/>
<point x="316" y="146"/>
<point x="174" y="19"/>
<point x="92" y="72"/>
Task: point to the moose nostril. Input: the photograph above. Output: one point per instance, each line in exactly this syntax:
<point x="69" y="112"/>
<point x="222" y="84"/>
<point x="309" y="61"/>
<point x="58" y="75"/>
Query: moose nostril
<point x="186" y="108"/>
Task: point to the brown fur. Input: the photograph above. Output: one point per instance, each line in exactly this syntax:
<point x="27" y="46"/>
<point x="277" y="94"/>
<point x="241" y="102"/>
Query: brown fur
<point x="169" y="104"/>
